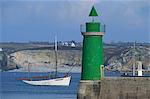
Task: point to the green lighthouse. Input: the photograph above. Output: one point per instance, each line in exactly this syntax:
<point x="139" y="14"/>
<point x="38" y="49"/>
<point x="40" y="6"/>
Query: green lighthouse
<point x="92" y="57"/>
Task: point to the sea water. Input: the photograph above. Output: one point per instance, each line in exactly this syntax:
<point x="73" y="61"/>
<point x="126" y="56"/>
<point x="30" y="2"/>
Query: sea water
<point x="11" y="88"/>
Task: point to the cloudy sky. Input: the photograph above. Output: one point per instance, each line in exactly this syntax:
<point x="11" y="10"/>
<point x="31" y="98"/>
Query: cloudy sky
<point x="40" y="20"/>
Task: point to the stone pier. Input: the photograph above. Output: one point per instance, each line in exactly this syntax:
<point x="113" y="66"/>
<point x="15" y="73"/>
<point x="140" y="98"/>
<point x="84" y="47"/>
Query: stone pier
<point x="115" y="88"/>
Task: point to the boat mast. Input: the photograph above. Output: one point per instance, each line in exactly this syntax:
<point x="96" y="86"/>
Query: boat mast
<point x="134" y="60"/>
<point x="28" y="64"/>
<point x="55" y="55"/>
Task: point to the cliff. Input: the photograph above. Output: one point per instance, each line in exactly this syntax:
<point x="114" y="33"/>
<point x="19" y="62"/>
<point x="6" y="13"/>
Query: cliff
<point x="45" y="60"/>
<point x="115" y="58"/>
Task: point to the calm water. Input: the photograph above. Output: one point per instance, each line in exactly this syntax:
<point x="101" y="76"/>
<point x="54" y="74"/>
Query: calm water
<point x="14" y="89"/>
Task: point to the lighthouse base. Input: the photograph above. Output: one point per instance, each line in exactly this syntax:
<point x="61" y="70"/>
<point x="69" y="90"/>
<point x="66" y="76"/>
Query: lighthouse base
<point x="89" y="89"/>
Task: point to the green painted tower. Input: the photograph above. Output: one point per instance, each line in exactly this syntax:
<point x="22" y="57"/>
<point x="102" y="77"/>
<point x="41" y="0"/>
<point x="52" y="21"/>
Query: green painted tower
<point x="92" y="56"/>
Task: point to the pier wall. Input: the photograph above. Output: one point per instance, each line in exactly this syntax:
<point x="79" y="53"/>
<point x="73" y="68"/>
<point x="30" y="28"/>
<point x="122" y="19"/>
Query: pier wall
<point x="125" y="88"/>
<point x="116" y="88"/>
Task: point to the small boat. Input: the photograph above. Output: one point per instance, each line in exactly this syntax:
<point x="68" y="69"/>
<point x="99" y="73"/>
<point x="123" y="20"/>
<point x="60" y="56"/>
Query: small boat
<point x="125" y="75"/>
<point x="62" y="81"/>
<point x="48" y="81"/>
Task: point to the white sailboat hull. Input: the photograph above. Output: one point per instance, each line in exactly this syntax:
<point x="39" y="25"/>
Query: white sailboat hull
<point x="64" y="81"/>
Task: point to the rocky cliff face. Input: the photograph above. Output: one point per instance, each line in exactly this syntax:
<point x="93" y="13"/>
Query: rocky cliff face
<point x="117" y="58"/>
<point x="122" y="59"/>
<point x="45" y="60"/>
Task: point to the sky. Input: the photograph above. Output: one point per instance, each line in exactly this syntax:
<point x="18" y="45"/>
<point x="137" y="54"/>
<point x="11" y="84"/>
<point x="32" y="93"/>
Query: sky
<point x="41" y="20"/>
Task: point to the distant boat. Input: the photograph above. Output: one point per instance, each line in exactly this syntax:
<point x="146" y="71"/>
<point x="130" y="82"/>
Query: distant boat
<point x="125" y="75"/>
<point x="46" y="80"/>
<point x="139" y="70"/>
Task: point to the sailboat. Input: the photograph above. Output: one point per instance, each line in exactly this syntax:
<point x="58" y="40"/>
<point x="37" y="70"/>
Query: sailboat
<point x="62" y="81"/>
<point x="46" y="81"/>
